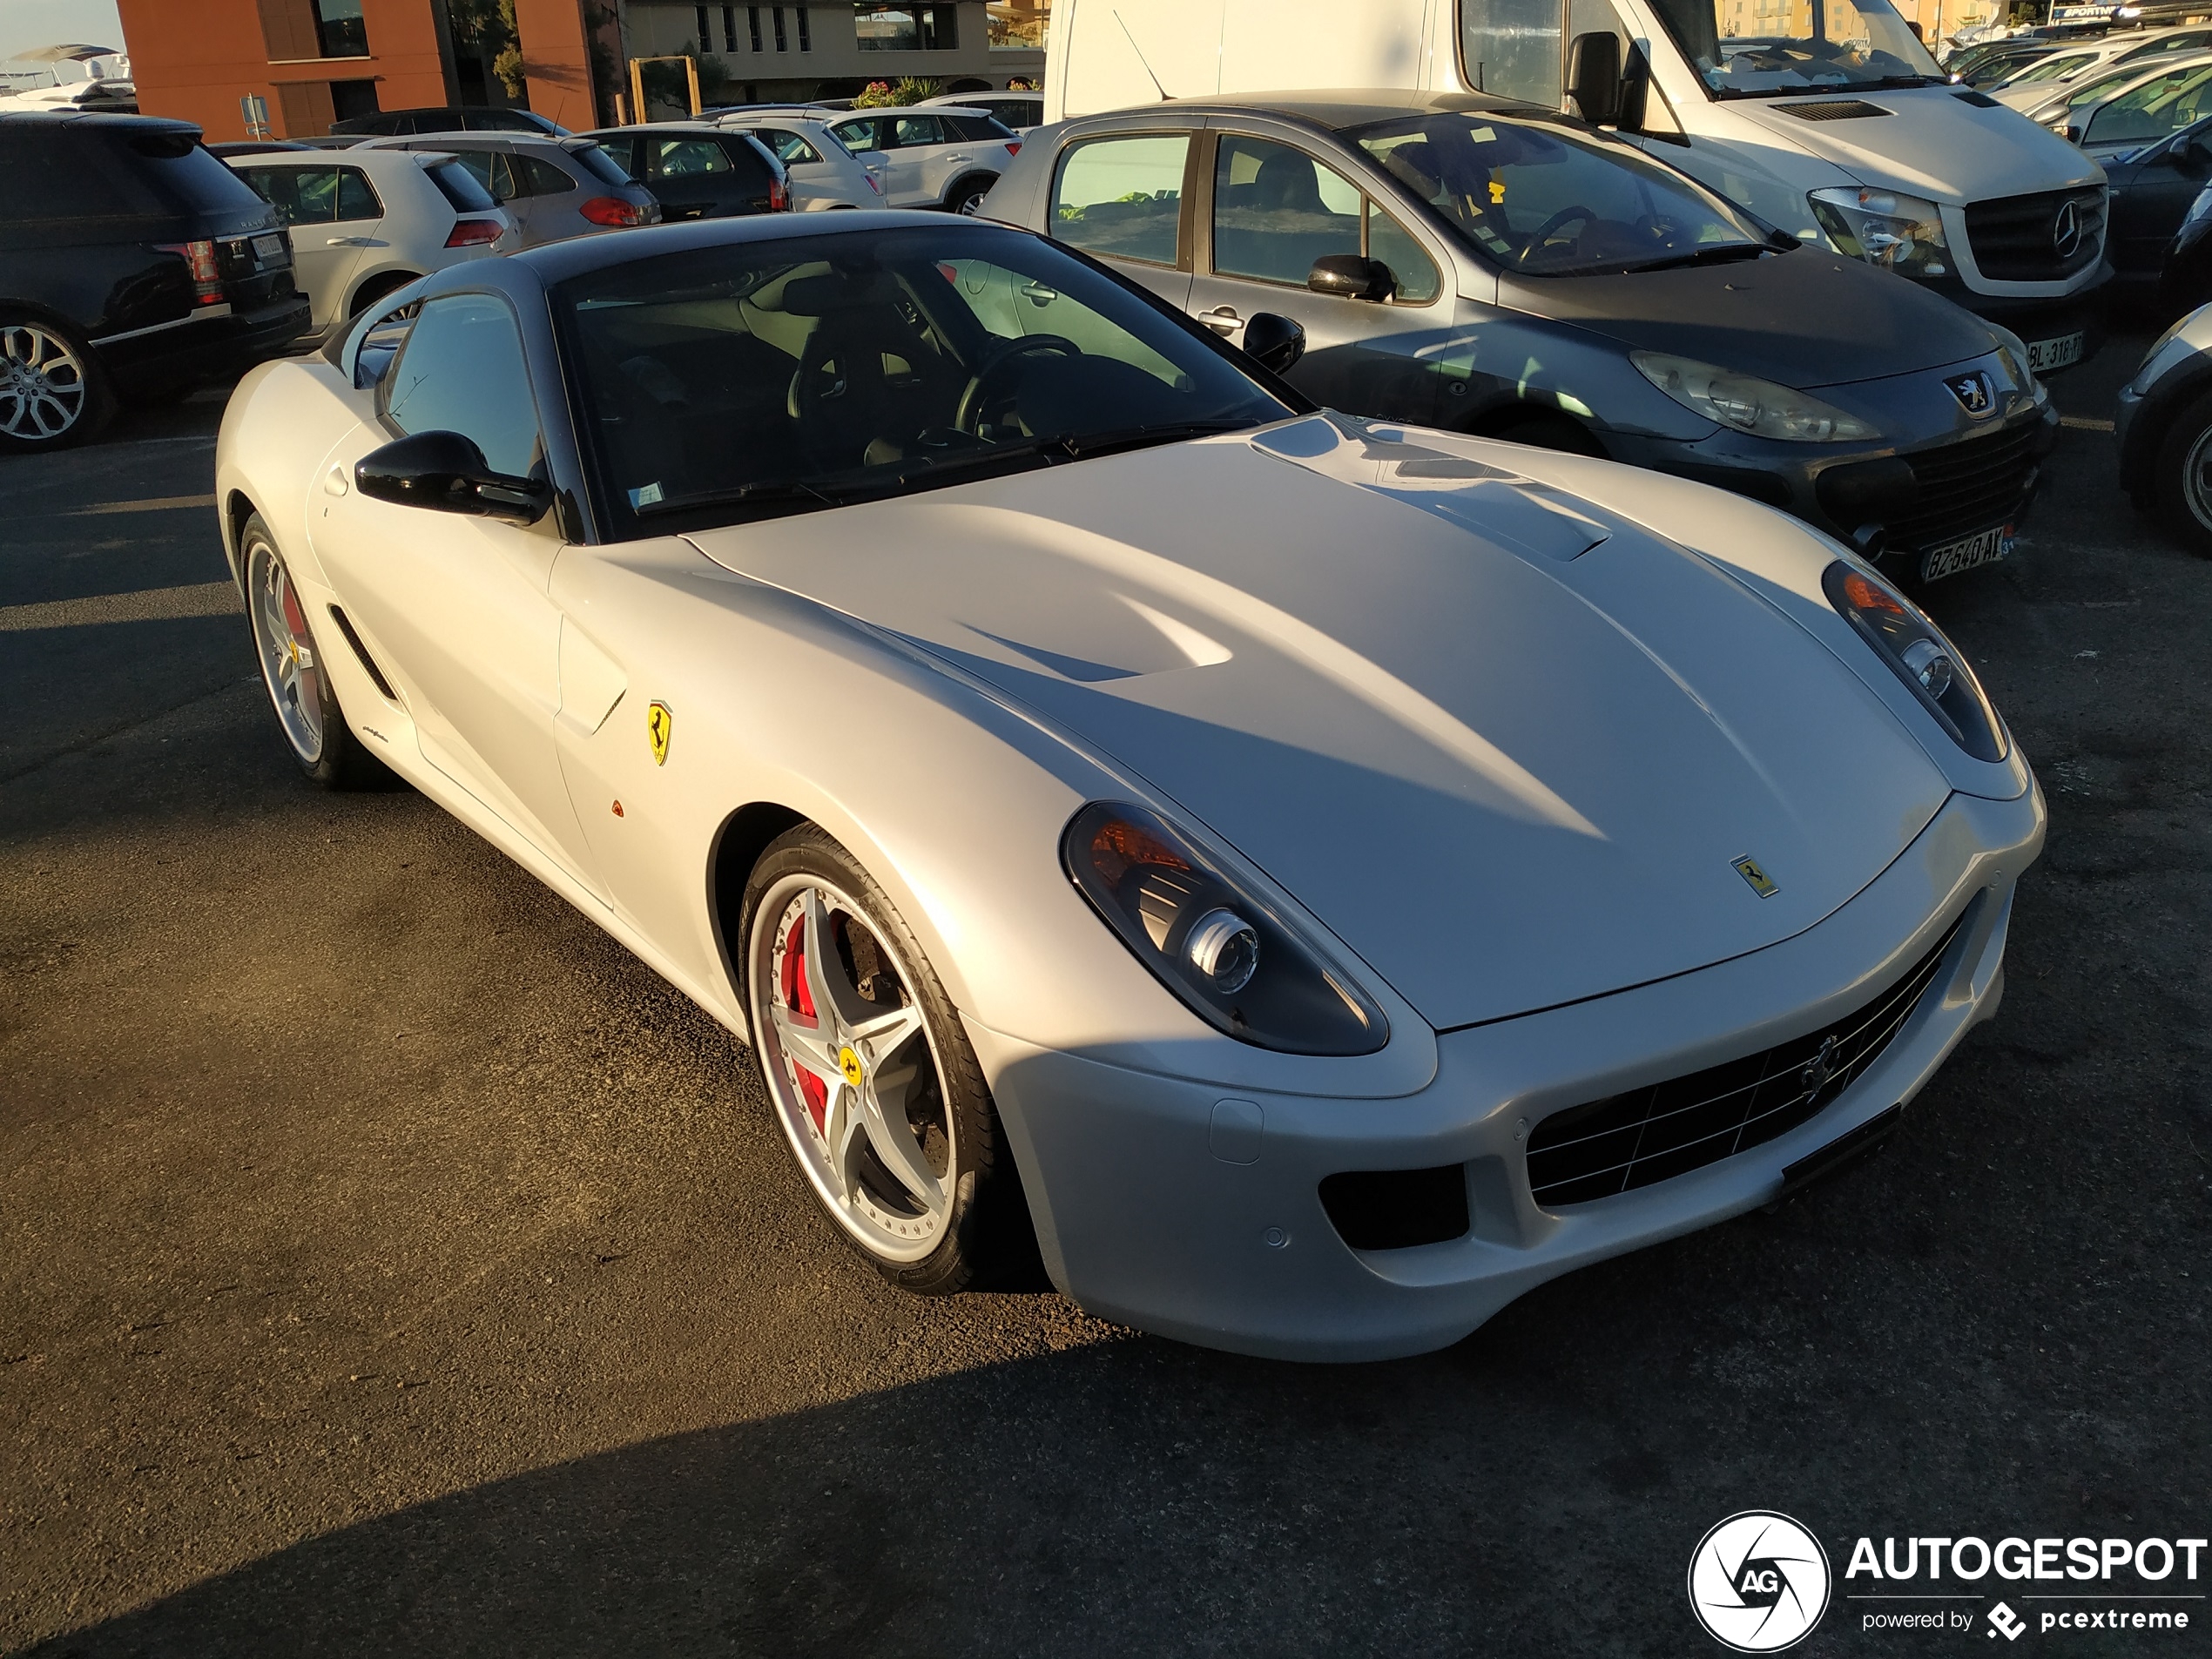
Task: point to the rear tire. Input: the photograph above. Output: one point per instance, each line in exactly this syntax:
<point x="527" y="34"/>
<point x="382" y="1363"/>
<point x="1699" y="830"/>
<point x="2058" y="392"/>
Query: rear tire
<point x="2181" y="476"/>
<point x="53" y="392"/>
<point x="293" y="673"/>
<point x="967" y="197"/>
<point x="871" y="1075"/>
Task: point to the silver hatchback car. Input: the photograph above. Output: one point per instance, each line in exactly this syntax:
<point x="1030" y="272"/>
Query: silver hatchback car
<point x="1500" y="269"/>
<point x="552" y="188"/>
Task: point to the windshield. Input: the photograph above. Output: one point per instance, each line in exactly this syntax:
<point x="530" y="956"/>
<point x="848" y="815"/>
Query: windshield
<point x="2051" y="68"/>
<point x="2159" y="107"/>
<point x="1772" y="48"/>
<point x="1544" y="199"/>
<point x="743" y="381"/>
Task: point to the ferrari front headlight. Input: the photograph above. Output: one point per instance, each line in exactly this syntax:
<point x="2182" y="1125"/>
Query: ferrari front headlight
<point x="1917" y="653"/>
<point x="1898" y="233"/>
<point x="1228" y="955"/>
<point x="1749" y="403"/>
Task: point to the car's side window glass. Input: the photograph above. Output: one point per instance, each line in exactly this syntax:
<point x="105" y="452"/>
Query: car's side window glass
<point x="300" y="195"/>
<point x="1277" y="210"/>
<point x="858" y="137"/>
<point x="479" y="163"/>
<point x="356" y="196"/>
<point x="790" y="148"/>
<point x="911" y="129"/>
<point x="685" y="158"/>
<point x="1411" y="271"/>
<point x="1122" y="197"/>
<point x="535" y="178"/>
<point x="378" y="341"/>
<point x="463" y="371"/>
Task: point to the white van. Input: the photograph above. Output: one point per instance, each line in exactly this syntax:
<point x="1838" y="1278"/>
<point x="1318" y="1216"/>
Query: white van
<point x="1828" y="120"/>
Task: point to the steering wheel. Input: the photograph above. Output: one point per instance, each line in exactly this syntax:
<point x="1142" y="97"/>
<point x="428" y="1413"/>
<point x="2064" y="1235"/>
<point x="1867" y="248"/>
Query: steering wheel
<point x="992" y="365"/>
<point x="1564" y="216"/>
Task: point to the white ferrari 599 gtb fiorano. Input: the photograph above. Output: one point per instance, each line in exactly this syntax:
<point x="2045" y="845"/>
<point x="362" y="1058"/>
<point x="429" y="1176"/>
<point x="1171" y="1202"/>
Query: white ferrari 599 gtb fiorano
<point x="1324" y="877"/>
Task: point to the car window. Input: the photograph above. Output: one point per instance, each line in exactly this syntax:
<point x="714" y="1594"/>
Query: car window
<point x="300" y="195"/>
<point x="909" y="131"/>
<point x="2053" y="68"/>
<point x="1277" y="210"/>
<point x="683" y="158"/>
<point x="1122" y="198"/>
<point x="790" y="148"/>
<point x="1540" y="196"/>
<point x="483" y="166"/>
<point x="460" y="187"/>
<point x="601" y="163"/>
<point x="357" y="198"/>
<point x="858" y="137"/>
<point x="537" y="177"/>
<point x="2158" y="107"/>
<point x="1413" y="273"/>
<point x="755" y="379"/>
<point x="462" y="370"/>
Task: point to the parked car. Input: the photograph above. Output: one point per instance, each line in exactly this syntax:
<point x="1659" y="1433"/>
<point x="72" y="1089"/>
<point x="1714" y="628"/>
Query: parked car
<point x="133" y="264"/>
<point x="697" y="169"/>
<point x="948" y="157"/>
<point x="1514" y="272"/>
<point x="2035" y="86"/>
<point x="2161" y="104"/>
<point x="552" y="188"/>
<point x="1309" y="880"/>
<point x="230" y="147"/>
<point x="366" y="221"/>
<point x="1997" y="62"/>
<point x="2185" y="269"/>
<point x="822" y="172"/>
<point x="2153" y="188"/>
<point x="450" y="117"/>
<point x="1016" y="111"/>
<point x="2072" y="110"/>
<point x="2165" y="430"/>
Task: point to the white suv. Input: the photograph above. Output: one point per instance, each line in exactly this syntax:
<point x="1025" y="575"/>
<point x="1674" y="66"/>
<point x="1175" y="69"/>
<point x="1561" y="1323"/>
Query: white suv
<point x="823" y="173"/>
<point x="364" y="222"/>
<point x="939" y="157"/>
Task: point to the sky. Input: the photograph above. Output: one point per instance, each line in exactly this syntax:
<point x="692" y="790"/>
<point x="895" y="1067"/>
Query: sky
<point x="28" y="24"/>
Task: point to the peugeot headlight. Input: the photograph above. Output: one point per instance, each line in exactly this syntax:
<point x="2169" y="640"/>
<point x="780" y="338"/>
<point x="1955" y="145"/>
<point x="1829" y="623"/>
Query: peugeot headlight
<point x="2014" y="352"/>
<point x="1237" y="963"/>
<point x="1902" y="233"/>
<point x="1917" y="651"/>
<point x="1747" y="403"/>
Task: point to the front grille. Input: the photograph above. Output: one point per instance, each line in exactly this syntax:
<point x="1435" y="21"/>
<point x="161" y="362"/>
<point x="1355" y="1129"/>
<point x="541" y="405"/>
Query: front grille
<point x="1648" y="1135"/>
<point x="1966" y="487"/>
<point x="1847" y="109"/>
<point x="2012" y="238"/>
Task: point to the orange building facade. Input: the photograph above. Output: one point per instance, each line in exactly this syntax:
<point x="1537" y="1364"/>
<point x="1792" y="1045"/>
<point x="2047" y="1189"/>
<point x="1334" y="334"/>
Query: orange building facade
<point x="294" y="66"/>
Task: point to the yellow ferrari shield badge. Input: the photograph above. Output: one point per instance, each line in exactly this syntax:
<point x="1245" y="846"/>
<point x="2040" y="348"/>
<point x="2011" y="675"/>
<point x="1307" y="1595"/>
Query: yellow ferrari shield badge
<point x="658" y="723"/>
<point x="1761" y="883"/>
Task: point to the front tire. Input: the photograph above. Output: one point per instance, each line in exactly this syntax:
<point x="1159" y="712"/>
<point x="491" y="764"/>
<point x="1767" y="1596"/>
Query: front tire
<point x="2181" y="478"/>
<point x="871" y="1075"/>
<point x="53" y="392"/>
<point x="293" y="671"/>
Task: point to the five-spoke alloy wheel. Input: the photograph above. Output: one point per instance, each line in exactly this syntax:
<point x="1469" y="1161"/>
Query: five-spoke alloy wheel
<point x="869" y="1072"/>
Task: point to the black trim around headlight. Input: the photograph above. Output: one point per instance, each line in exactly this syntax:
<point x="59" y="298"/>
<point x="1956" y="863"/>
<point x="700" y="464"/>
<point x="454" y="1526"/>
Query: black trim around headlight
<point x="1226" y="954"/>
<point x="1917" y="653"/>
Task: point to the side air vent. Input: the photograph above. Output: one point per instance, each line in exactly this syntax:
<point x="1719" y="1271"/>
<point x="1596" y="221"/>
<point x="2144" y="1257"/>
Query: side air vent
<point x="1845" y="108"/>
<point x="1398" y="1208"/>
<point x="346" y="627"/>
<point x="1980" y="100"/>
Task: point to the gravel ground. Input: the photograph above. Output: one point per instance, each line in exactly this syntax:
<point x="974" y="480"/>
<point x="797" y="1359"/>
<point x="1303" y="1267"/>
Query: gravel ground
<point x="388" y="1262"/>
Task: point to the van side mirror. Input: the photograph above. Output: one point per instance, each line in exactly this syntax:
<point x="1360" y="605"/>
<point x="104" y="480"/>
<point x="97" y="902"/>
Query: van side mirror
<point x="447" y="473"/>
<point x="1276" y="342"/>
<point x="1594" y="77"/>
<point x="1349" y="277"/>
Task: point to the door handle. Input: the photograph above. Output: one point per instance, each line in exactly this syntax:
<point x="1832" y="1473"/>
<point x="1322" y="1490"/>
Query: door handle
<point x="1037" y="294"/>
<point x="1222" y="319"/>
<point x="959" y="161"/>
<point x="333" y="481"/>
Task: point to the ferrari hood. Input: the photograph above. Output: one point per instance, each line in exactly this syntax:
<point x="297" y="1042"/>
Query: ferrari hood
<point x="1509" y="748"/>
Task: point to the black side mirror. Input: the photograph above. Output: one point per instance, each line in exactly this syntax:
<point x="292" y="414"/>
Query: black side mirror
<point x="1594" y="77"/>
<point x="447" y="473"/>
<point x="2191" y="154"/>
<point x="1349" y="277"/>
<point x="1277" y="342"/>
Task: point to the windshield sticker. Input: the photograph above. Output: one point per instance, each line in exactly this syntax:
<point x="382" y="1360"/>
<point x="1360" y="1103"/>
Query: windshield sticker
<point x="644" y="497"/>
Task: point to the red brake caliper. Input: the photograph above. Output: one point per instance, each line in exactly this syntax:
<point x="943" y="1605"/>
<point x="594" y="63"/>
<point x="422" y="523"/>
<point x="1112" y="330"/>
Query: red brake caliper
<point x="801" y="1002"/>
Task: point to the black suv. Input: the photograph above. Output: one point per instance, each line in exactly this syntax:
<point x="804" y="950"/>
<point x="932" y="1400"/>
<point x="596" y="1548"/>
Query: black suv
<point x="451" y="118"/>
<point x="133" y="264"/>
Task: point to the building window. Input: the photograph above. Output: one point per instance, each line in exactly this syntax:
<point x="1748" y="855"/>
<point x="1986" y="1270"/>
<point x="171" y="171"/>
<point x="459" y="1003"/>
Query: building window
<point x="340" y="31"/>
<point x="781" y="44"/>
<point x="351" y="98"/>
<point x="1018" y="25"/>
<point x="729" y="28"/>
<point x="752" y="26"/>
<point x="891" y="28"/>
<point x="706" y="36"/>
<point x="805" y="34"/>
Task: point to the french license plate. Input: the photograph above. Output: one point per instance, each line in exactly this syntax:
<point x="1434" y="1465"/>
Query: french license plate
<point x="269" y="250"/>
<point x="1954" y="557"/>
<point x="2044" y="355"/>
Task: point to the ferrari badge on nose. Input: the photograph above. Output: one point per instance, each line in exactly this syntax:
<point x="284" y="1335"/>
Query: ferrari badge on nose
<point x="658" y="723"/>
<point x="1748" y="869"/>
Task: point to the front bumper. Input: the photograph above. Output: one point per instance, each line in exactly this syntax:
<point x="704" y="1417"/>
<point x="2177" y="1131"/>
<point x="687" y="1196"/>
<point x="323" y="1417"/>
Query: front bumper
<point x="1161" y="1204"/>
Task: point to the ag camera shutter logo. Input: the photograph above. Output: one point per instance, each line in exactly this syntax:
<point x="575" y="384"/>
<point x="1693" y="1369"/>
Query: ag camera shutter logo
<point x="1758" y="1583"/>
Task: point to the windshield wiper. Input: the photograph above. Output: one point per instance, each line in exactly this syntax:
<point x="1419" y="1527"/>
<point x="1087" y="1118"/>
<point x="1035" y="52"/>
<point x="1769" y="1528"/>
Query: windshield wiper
<point x="764" y="495"/>
<point x="1826" y="88"/>
<point x="1081" y="444"/>
<point x="1720" y="253"/>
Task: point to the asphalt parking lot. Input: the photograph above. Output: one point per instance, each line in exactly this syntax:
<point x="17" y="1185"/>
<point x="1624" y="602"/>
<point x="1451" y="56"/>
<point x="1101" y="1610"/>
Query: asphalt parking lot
<point x="390" y="1263"/>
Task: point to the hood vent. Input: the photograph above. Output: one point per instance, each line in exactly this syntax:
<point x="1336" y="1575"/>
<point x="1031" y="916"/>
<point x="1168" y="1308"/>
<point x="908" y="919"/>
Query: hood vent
<point x="1848" y="109"/>
<point x="1980" y="100"/>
